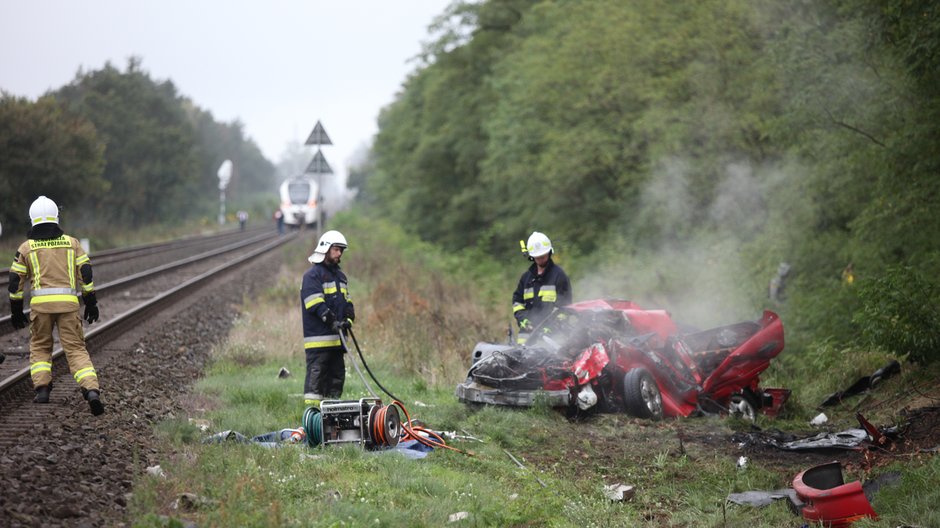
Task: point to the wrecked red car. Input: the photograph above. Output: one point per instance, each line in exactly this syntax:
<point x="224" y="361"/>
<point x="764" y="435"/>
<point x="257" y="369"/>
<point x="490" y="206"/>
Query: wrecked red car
<point x="614" y="356"/>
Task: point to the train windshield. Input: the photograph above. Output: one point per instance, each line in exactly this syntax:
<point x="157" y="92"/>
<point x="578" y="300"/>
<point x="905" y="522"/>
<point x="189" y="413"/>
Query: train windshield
<point x="299" y="192"/>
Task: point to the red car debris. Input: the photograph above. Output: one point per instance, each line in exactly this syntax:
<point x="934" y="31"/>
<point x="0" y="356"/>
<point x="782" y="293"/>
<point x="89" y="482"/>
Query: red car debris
<point x="613" y="355"/>
<point x="828" y="499"/>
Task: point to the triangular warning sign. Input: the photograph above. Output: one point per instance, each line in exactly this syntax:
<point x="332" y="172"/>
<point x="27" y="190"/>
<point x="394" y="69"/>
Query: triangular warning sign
<point x="318" y="136"/>
<point x="318" y="165"/>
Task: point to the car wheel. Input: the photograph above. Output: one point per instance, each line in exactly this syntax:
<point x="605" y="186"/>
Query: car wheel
<point x="742" y="406"/>
<point x="641" y="395"/>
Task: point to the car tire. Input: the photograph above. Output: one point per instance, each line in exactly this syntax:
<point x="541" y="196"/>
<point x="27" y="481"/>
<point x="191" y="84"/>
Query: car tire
<point x="743" y="405"/>
<point x="641" y="395"/>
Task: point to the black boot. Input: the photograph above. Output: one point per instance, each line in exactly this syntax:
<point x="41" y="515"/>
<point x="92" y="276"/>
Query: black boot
<point x="42" y="394"/>
<point x="94" y="401"/>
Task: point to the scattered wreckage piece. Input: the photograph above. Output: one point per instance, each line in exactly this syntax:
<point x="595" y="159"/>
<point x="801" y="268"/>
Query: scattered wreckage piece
<point x="877" y="437"/>
<point x="272" y="439"/>
<point x="851" y="439"/>
<point x="820" y="494"/>
<point x="619" y="492"/>
<point x="828" y="499"/>
<point x="863" y="384"/>
<point x="819" y="419"/>
<point x="848" y="439"/>
<point x="614" y="356"/>
<point x="759" y="498"/>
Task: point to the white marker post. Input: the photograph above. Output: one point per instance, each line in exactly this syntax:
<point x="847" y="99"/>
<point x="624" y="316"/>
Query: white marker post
<point x="225" y="174"/>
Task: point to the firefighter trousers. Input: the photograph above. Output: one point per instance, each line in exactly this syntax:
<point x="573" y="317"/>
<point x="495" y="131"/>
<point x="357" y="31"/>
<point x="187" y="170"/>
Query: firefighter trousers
<point x="326" y="373"/>
<point x="72" y="339"/>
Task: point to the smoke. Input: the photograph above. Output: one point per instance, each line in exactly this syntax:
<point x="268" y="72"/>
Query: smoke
<point x="293" y="161"/>
<point x="707" y="267"/>
<point x="739" y="201"/>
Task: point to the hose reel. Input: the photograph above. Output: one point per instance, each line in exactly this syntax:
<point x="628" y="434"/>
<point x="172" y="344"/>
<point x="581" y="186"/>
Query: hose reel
<point x="365" y="422"/>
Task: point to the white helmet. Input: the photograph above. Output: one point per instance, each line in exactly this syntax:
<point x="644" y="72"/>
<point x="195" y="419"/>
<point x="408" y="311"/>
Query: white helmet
<point x="43" y="210"/>
<point x="538" y="244"/>
<point x="328" y="240"/>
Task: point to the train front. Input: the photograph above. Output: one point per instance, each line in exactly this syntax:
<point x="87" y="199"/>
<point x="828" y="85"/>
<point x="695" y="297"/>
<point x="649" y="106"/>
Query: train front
<point x="299" y="202"/>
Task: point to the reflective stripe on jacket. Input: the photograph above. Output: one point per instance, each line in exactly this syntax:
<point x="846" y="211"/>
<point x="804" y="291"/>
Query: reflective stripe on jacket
<point x="323" y="288"/>
<point x="536" y="295"/>
<point x="52" y="268"/>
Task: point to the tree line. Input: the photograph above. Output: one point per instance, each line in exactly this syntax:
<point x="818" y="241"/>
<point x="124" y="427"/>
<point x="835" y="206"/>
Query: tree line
<point x="684" y="149"/>
<point x="119" y="148"/>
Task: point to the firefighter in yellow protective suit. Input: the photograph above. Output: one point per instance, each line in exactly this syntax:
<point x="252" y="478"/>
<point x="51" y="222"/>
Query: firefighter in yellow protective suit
<point x="58" y="271"/>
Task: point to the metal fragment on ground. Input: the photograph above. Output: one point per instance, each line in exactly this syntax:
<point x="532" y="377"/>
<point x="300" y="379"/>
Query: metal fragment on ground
<point x="619" y="492"/>
<point x="759" y="498"/>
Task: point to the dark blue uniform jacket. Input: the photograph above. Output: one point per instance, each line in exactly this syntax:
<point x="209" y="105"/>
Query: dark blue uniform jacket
<point x="324" y="288"/>
<point x="536" y="295"/>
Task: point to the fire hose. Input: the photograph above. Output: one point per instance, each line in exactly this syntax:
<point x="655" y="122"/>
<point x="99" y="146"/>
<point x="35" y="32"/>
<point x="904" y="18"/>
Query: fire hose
<point x="342" y="338"/>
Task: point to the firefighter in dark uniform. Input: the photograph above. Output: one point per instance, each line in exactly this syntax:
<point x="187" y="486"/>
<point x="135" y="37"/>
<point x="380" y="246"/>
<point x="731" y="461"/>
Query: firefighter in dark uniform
<point x="58" y="271"/>
<point x="327" y="311"/>
<point x="541" y="288"/>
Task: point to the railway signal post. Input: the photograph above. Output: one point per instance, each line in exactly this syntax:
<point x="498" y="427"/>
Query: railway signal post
<point x="319" y="166"/>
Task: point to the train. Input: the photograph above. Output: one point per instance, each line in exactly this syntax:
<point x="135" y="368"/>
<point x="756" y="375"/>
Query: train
<point x="299" y="201"/>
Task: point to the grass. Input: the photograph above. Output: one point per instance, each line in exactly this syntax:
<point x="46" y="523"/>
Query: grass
<point x="416" y="340"/>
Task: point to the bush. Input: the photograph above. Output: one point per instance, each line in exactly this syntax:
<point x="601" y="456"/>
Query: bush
<point x="899" y="313"/>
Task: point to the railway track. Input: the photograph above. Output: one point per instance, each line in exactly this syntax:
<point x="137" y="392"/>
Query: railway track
<point x="124" y="260"/>
<point x="126" y="303"/>
<point x="119" y="273"/>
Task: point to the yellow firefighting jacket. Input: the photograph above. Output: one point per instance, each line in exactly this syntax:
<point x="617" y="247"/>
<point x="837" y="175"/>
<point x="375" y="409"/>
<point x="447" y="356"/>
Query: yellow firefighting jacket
<point x="52" y="267"/>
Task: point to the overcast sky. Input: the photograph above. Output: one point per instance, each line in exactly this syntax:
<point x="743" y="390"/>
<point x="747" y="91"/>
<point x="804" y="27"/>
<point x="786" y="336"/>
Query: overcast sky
<point x="278" y="66"/>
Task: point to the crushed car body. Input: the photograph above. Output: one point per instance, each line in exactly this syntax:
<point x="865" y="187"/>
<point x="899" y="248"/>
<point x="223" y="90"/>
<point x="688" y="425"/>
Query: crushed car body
<point x="614" y="356"/>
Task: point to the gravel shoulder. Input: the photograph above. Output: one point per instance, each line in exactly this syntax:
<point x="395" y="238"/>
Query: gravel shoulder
<point x="77" y="470"/>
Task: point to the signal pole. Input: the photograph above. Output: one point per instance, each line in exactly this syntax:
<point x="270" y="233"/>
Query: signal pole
<point x="319" y="166"/>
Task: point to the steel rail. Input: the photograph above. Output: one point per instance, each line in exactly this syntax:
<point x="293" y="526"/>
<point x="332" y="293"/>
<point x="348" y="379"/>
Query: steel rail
<point x="122" y="253"/>
<point x="6" y="326"/>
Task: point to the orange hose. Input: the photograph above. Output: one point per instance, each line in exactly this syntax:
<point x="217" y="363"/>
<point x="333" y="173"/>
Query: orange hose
<point x="412" y="433"/>
<point x="378" y="431"/>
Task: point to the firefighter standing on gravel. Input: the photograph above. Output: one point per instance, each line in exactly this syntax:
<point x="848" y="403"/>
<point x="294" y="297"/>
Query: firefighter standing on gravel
<point x="541" y="288"/>
<point x="327" y="311"/>
<point x="58" y="271"/>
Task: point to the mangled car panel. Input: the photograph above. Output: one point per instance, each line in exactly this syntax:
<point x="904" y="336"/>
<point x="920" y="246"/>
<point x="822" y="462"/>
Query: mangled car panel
<point x="610" y="355"/>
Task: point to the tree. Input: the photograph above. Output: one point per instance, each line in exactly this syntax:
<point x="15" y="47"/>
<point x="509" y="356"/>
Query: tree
<point x="151" y="161"/>
<point x="45" y="149"/>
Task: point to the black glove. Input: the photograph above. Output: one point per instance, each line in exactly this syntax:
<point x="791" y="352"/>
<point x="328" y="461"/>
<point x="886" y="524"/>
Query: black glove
<point x="17" y="317"/>
<point x="91" y="307"/>
<point x="91" y="314"/>
<point x="350" y="312"/>
<point x="329" y="318"/>
<point x="342" y="327"/>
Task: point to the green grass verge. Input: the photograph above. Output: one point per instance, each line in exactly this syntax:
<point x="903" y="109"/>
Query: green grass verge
<point x="678" y="483"/>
